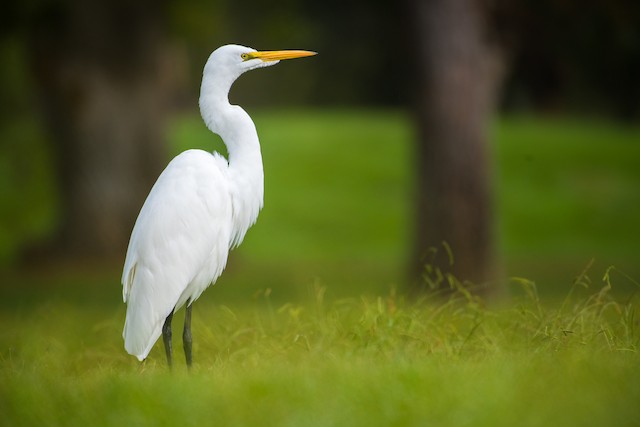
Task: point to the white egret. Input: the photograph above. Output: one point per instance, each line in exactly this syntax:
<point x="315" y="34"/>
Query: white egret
<point x="200" y="207"/>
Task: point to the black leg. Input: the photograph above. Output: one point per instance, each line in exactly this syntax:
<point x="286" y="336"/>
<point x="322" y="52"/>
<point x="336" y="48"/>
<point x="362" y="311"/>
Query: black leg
<point x="186" y="335"/>
<point x="166" y="337"/>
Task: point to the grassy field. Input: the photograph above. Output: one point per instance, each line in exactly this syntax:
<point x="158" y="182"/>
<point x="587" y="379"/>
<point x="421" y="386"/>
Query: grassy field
<point x="338" y="191"/>
<point x="357" y="361"/>
<point x="309" y="326"/>
<point x="338" y="197"/>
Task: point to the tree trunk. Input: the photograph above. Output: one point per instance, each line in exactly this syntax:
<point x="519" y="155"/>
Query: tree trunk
<point x="456" y="81"/>
<point x="104" y="92"/>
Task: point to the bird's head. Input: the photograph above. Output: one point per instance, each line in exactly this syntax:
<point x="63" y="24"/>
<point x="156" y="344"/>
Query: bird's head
<point x="224" y="66"/>
<point x="234" y="60"/>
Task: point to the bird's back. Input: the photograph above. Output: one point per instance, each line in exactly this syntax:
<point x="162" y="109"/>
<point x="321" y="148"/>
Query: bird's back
<point x="179" y="244"/>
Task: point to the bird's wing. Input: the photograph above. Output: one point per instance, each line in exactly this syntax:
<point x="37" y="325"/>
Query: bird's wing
<point x="185" y="221"/>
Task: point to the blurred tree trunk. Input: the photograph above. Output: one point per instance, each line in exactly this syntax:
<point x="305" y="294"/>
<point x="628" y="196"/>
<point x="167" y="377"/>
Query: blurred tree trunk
<point x="457" y="77"/>
<point x="100" y="71"/>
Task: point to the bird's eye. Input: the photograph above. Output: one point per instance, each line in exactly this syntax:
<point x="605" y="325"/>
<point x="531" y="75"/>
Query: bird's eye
<point x="245" y="56"/>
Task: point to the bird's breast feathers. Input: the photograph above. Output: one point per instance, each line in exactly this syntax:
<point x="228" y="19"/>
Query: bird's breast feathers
<point x="186" y="219"/>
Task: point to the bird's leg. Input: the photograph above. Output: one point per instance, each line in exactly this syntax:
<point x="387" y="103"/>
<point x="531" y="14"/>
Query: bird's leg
<point x="186" y="335"/>
<point x="166" y="337"/>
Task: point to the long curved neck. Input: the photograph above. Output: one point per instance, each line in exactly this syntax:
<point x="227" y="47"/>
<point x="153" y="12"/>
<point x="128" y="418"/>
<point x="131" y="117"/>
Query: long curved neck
<point x="237" y="130"/>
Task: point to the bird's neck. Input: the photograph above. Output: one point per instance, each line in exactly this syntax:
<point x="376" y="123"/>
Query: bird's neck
<point x="239" y="134"/>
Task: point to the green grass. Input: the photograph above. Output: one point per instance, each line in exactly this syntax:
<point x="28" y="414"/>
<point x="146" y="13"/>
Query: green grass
<point x="339" y="185"/>
<point x="336" y="200"/>
<point x="295" y="333"/>
<point x="338" y="197"/>
<point x="321" y="362"/>
<point x="567" y="192"/>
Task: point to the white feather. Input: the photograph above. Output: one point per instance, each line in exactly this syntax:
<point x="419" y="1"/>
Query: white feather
<point x="200" y="207"/>
<point x="179" y="244"/>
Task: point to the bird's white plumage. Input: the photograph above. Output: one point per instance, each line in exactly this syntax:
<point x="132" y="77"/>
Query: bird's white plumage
<point x="179" y="244"/>
<point x="199" y="208"/>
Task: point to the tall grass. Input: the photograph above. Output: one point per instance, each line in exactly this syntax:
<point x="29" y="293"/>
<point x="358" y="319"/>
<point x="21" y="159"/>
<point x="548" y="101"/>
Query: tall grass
<point x="383" y="360"/>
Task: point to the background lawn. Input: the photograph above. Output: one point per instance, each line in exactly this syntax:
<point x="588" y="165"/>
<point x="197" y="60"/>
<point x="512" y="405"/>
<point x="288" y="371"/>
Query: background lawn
<point x="308" y="325"/>
<point x="339" y="185"/>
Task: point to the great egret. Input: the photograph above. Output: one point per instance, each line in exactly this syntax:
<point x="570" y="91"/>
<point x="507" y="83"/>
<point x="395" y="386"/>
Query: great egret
<point x="200" y="207"/>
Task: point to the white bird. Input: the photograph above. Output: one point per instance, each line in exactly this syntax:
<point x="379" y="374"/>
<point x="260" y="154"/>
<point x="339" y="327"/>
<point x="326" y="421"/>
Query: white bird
<point x="200" y="207"/>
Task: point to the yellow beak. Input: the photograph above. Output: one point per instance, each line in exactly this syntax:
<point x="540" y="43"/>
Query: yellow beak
<point x="278" y="55"/>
